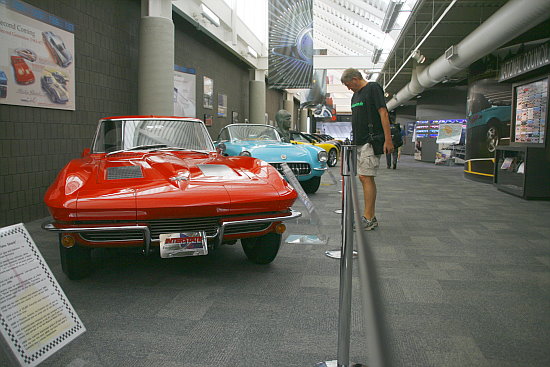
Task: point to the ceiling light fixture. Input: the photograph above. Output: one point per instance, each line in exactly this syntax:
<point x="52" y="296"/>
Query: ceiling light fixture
<point x="252" y="52"/>
<point x="392" y="11"/>
<point x="418" y="57"/>
<point x="210" y="15"/>
<point x="376" y="55"/>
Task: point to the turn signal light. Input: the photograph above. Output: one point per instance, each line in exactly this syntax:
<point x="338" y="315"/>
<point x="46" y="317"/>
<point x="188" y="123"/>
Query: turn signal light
<point x="280" y="228"/>
<point x="67" y="241"/>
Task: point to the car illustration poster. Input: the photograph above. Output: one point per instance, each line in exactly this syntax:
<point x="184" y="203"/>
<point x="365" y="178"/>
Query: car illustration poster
<point x="36" y="57"/>
<point x="185" y="96"/>
<point x="208" y="94"/>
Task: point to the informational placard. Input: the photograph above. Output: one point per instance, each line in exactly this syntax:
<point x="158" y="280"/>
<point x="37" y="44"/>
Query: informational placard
<point x="35" y="315"/>
<point x="36" y="57"/>
<point x="185" y="95"/>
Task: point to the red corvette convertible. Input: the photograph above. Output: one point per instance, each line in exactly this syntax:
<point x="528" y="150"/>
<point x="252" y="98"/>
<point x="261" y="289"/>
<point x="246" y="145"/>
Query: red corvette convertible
<point x="152" y="181"/>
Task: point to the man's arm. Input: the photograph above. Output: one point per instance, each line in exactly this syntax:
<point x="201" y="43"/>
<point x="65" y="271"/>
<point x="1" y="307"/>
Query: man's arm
<point x="388" y="144"/>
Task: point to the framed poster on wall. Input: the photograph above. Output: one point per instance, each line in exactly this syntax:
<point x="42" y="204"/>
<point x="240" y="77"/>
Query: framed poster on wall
<point x="222" y="105"/>
<point x="234" y="117"/>
<point x="184" y="92"/>
<point x="37" y="51"/>
<point x="208" y="92"/>
<point x="208" y="119"/>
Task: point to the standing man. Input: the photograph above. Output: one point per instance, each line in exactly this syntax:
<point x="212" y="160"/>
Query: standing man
<point x="370" y="126"/>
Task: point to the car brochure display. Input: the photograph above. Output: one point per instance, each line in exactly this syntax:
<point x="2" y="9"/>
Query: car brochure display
<point x="531" y="109"/>
<point x="37" y="319"/>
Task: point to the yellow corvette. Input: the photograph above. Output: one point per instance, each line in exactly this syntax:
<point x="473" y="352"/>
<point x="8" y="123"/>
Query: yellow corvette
<point x="332" y="150"/>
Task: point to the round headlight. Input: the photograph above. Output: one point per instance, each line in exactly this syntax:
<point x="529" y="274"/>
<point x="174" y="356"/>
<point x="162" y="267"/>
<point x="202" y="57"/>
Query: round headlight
<point x="245" y="153"/>
<point x="322" y="156"/>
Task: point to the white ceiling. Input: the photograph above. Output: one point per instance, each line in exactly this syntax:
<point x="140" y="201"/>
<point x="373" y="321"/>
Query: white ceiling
<point x="349" y="31"/>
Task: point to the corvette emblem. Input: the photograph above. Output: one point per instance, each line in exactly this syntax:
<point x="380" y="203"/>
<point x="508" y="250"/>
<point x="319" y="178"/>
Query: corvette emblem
<point x="178" y="178"/>
<point x="283" y="156"/>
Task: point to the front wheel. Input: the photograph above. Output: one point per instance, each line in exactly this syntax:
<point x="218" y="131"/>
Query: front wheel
<point x="312" y="185"/>
<point x="332" y="158"/>
<point x="262" y="250"/>
<point x="76" y="261"/>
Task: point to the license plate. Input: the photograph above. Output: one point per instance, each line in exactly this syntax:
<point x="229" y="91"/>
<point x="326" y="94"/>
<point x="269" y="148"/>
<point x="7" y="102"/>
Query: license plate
<point x="183" y="244"/>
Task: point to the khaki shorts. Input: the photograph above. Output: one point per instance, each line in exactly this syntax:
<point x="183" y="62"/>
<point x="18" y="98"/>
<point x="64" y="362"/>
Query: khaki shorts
<point x="367" y="162"/>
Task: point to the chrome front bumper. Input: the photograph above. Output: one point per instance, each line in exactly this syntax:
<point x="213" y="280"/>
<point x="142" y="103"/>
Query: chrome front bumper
<point x="49" y="226"/>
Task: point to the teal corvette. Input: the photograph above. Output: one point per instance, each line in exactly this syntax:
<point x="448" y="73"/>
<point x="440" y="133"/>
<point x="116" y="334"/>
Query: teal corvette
<point x="308" y="162"/>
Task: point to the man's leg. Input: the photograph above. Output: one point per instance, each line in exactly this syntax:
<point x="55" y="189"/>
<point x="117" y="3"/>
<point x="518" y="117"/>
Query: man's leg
<point x="369" y="192"/>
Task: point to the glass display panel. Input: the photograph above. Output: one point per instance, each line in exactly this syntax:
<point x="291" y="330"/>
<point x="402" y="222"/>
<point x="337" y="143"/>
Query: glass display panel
<point x="531" y="107"/>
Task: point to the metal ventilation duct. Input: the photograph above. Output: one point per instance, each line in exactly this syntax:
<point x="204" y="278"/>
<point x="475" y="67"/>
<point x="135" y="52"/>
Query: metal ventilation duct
<point x="513" y="19"/>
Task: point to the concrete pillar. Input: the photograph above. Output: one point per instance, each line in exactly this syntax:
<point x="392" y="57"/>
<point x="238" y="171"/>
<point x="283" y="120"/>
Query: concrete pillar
<point x="288" y="104"/>
<point x="303" y="120"/>
<point x="156" y="59"/>
<point x="257" y="97"/>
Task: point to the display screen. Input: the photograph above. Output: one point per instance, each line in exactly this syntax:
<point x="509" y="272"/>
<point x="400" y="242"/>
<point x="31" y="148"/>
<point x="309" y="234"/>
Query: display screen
<point x="531" y="111"/>
<point x="430" y="129"/>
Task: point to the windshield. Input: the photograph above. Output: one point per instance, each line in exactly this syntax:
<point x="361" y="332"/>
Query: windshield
<point x="299" y="137"/>
<point x="116" y="135"/>
<point x="253" y="132"/>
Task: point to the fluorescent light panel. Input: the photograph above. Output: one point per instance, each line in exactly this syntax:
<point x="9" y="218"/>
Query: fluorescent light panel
<point x="210" y="15"/>
<point x="252" y="52"/>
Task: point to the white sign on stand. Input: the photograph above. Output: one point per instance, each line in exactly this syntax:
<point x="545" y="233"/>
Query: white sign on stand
<point x="36" y="318"/>
<point x="314" y="217"/>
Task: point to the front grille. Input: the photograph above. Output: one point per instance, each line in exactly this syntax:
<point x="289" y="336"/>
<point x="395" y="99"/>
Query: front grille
<point x="246" y="228"/>
<point x="157" y="227"/>
<point x="109" y="236"/>
<point x="299" y="169"/>
<point x="209" y="225"/>
<point x="118" y="173"/>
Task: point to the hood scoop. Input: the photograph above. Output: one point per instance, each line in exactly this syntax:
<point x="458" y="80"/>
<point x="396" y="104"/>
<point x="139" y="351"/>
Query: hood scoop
<point x="122" y="172"/>
<point x="219" y="170"/>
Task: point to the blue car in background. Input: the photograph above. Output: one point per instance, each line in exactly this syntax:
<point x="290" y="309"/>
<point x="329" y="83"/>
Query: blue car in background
<point x="307" y="162"/>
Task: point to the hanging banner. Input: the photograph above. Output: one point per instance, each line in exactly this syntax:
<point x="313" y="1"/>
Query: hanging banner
<point x="36" y="57"/>
<point x="290" y="59"/>
<point x="449" y="133"/>
<point x="185" y="96"/>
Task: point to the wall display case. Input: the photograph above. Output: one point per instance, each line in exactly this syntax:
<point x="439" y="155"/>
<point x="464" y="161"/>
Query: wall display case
<point x="523" y="168"/>
<point x="530" y="110"/>
<point x="522" y="171"/>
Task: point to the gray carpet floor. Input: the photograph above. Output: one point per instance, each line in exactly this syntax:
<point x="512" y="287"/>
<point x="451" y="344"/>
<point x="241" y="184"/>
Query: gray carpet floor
<point x="464" y="272"/>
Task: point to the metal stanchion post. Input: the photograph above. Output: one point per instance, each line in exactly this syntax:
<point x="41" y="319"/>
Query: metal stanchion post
<point x="347" y="166"/>
<point x="344" y="312"/>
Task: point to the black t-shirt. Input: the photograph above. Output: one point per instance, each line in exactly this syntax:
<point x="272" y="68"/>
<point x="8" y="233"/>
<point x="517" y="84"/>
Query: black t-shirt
<point x="364" y="110"/>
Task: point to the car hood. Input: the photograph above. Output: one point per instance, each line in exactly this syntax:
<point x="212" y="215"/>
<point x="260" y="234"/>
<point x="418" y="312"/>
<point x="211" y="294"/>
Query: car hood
<point x="169" y="185"/>
<point x="277" y="151"/>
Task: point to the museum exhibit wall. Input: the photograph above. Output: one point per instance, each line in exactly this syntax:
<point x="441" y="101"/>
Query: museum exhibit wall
<point x="274" y="102"/>
<point x="442" y="103"/>
<point x="194" y="49"/>
<point x="35" y="143"/>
